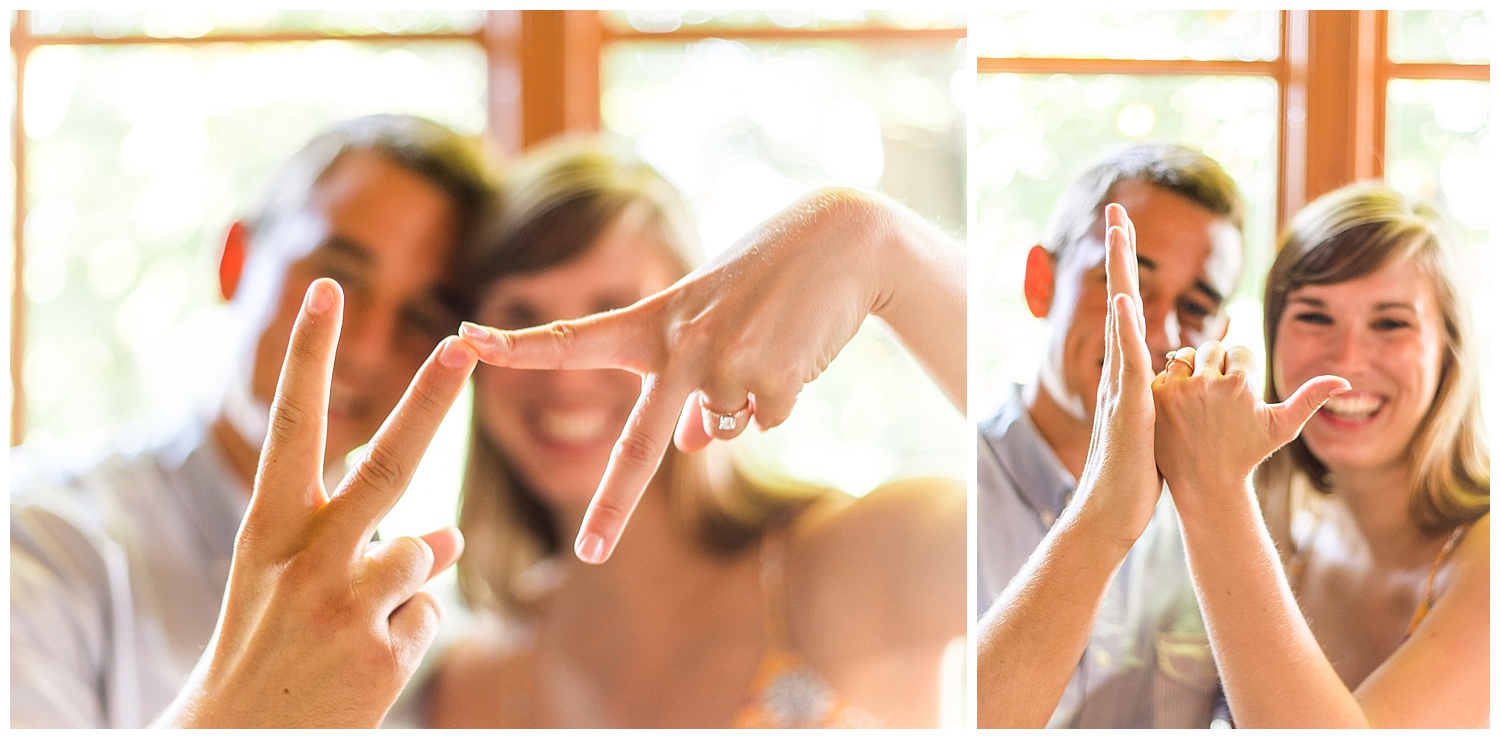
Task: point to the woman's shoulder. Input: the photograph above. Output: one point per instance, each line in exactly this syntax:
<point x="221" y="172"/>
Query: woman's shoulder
<point x="1471" y="556"/>
<point x="900" y="549"/>
<point x="887" y="525"/>
<point x="472" y="676"/>
<point x="1460" y="583"/>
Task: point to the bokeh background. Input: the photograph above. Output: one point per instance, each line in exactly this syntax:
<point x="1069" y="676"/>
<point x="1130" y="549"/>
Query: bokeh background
<point x="144" y="134"/>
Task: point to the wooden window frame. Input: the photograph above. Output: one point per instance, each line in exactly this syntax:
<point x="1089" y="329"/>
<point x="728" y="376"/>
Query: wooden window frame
<point x="1329" y="132"/>
<point x="542" y="80"/>
<point x="23" y="43"/>
<point x="558" y="70"/>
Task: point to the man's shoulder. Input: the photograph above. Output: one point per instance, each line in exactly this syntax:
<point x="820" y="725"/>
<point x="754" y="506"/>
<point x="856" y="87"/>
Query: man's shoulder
<point x="78" y="485"/>
<point x="1013" y="455"/>
<point x="1000" y="424"/>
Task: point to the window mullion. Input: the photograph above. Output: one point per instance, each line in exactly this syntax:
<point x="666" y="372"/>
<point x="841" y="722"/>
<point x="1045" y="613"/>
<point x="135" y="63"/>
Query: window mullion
<point x="21" y="46"/>
<point x="1332" y="90"/>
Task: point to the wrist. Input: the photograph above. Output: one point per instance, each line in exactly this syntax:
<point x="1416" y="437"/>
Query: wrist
<point x="1100" y="519"/>
<point x="1212" y="498"/>
<point x="857" y="222"/>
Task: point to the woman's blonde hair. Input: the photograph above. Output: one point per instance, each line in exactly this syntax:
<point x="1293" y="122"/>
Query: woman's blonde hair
<point x="1355" y="231"/>
<point x="556" y="204"/>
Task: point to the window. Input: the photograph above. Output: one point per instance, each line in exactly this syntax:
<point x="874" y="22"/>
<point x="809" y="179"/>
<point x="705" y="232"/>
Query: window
<point x="746" y="110"/>
<point x="1293" y="103"/>
<point x="146" y="132"/>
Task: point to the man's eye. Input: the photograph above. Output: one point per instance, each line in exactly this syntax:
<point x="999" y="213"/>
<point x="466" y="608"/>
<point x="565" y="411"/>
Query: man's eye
<point x="431" y="322"/>
<point x="1317" y="319"/>
<point x="1197" y="311"/>
<point x="516" y="317"/>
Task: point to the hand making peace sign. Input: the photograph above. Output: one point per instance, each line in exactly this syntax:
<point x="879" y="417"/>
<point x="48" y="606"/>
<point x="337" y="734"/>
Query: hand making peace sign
<point x="321" y="627"/>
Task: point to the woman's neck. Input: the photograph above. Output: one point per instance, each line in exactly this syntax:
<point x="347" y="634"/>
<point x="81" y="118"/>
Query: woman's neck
<point x="656" y="568"/>
<point x="1373" y="503"/>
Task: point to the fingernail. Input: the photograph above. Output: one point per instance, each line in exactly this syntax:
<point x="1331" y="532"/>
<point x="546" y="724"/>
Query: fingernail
<point x="453" y="354"/>
<point x="319" y="298"/>
<point x="473" y="332"/>
<point x="590" y="549"/>
<point x="1338" y="391"/>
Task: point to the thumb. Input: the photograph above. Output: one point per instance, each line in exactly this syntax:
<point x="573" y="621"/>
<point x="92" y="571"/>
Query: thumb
<point x="1289" y="416"/>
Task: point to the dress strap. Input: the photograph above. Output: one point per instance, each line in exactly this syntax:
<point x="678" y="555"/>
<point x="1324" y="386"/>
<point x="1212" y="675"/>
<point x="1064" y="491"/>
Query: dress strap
<point x="1425" y="604"/>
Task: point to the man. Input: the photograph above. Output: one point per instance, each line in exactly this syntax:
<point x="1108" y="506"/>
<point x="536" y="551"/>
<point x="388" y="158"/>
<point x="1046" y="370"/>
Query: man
<point x="1146" y="662"/>
<point x="119" y="565"/>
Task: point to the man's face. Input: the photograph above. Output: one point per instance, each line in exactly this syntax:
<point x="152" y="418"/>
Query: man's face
<point x="1189" y="259"/>
<point x="386" y="235"/>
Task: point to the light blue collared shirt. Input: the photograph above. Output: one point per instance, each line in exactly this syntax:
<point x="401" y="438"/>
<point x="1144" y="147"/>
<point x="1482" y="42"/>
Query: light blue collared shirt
<point x="117" y="571"/>
<point x="1147" y="663"/>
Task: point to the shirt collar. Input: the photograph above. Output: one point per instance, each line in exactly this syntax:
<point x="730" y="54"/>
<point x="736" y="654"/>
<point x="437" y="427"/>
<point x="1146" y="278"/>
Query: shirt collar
<point x="1025" y="457"/>
<point x="211" y="493"/>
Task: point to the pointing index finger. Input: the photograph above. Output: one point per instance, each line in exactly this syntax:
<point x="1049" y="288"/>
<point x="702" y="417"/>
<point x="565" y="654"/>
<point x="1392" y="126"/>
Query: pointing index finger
<point x="380" y="477"/>
<point x="617" y="339"/>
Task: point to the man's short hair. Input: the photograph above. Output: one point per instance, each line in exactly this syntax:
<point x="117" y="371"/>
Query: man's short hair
<point x="449" y="161"/>
<point x="1171" y="167"/>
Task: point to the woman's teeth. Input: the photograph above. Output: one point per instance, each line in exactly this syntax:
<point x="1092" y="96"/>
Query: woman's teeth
<point x="1354" y="406"/>
<point x="573" y="427"/>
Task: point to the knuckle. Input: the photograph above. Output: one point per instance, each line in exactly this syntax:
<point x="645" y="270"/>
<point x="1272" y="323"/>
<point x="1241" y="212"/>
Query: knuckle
<point x="425" y="397"/>
<point x="503" y="340"/>
<point x="636" y="448"/>
<point x="563" y="336"/>
<point x="302" y="351"/>
<point x="428" y="611"/>
<point x="379" y="470"/>
<point x="421" y="618"/>
<point x="609" y="511"/>
<point x="288" y="418"/>
<point x="413" y="554"/>
<point x="780" y="382"/>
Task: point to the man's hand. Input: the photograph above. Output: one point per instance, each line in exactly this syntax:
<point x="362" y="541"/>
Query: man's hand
<point x="1119" y="478"/>
<point x="320" y="627"/>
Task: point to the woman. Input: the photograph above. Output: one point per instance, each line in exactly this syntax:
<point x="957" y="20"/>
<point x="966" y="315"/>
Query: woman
<point x="732" y="600"/>
<point x="1378" y="613"/>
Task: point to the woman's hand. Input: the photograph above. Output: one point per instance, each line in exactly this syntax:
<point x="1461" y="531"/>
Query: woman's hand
<point x="1212" y="428"/>
<point x="319" y="627"/>
<point x="737" y="339"/>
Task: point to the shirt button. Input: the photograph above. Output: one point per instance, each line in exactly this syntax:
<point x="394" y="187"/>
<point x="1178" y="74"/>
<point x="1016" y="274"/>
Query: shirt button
<point x="1102" y="658"/>
<point x="1048" y="518"/>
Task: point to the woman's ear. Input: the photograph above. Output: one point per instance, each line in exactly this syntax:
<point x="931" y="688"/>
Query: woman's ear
<point x="1039" y="281"/>
<point x="232" y="259"/>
